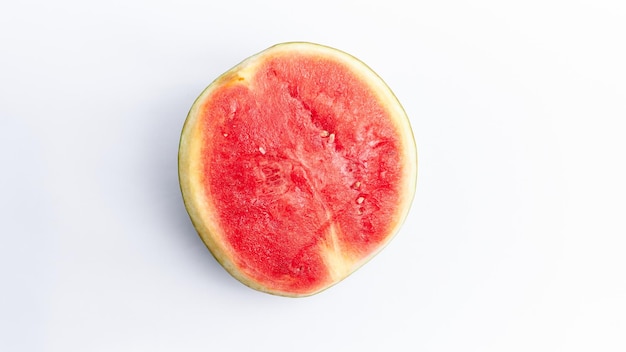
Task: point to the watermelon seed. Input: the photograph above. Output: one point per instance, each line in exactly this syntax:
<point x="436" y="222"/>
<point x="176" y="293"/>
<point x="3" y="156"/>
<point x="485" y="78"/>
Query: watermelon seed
<point x="324" y="133"/>
<point x="331" y="138"/>
<point x="356" y="185"/>
<point x="262" y="150"/>
<point x="360" y="200"/>
<point x="225" y="134"/>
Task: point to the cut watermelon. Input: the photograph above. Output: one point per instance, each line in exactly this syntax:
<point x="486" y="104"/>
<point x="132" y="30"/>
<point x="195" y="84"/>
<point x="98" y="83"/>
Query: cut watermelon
<point x="296" y="167"/>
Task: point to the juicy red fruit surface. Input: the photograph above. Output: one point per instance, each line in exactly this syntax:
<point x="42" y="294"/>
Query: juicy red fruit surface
<point x="299" y="155"/>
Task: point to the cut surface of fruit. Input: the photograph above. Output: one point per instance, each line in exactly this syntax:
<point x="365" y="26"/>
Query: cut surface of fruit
<point x="296" y="167"/>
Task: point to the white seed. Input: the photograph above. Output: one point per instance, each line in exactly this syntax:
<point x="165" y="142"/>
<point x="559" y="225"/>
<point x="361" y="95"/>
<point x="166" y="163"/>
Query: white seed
<point x="262" y="150"/>
<point x="331" y="138"/>
<point x="324" y="133"/>
<point x="356" y="185"/>
<point x="225" y="134"/>
<point x="360" y="200"/>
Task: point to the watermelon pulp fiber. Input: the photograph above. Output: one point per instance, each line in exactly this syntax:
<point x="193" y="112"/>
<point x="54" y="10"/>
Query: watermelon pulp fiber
<point x="303" y="168"/>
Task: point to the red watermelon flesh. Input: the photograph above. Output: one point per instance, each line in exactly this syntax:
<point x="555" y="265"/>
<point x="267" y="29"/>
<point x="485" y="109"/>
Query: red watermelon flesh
<point x="297" y="166"/>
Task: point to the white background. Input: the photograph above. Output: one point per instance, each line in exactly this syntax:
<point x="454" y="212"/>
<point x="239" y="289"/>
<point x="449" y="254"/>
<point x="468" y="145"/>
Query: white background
<point x="515" y="241"/>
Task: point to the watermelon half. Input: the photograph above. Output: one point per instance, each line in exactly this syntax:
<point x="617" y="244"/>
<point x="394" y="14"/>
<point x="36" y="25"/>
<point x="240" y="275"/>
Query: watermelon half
<point x="296" y="167"/>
